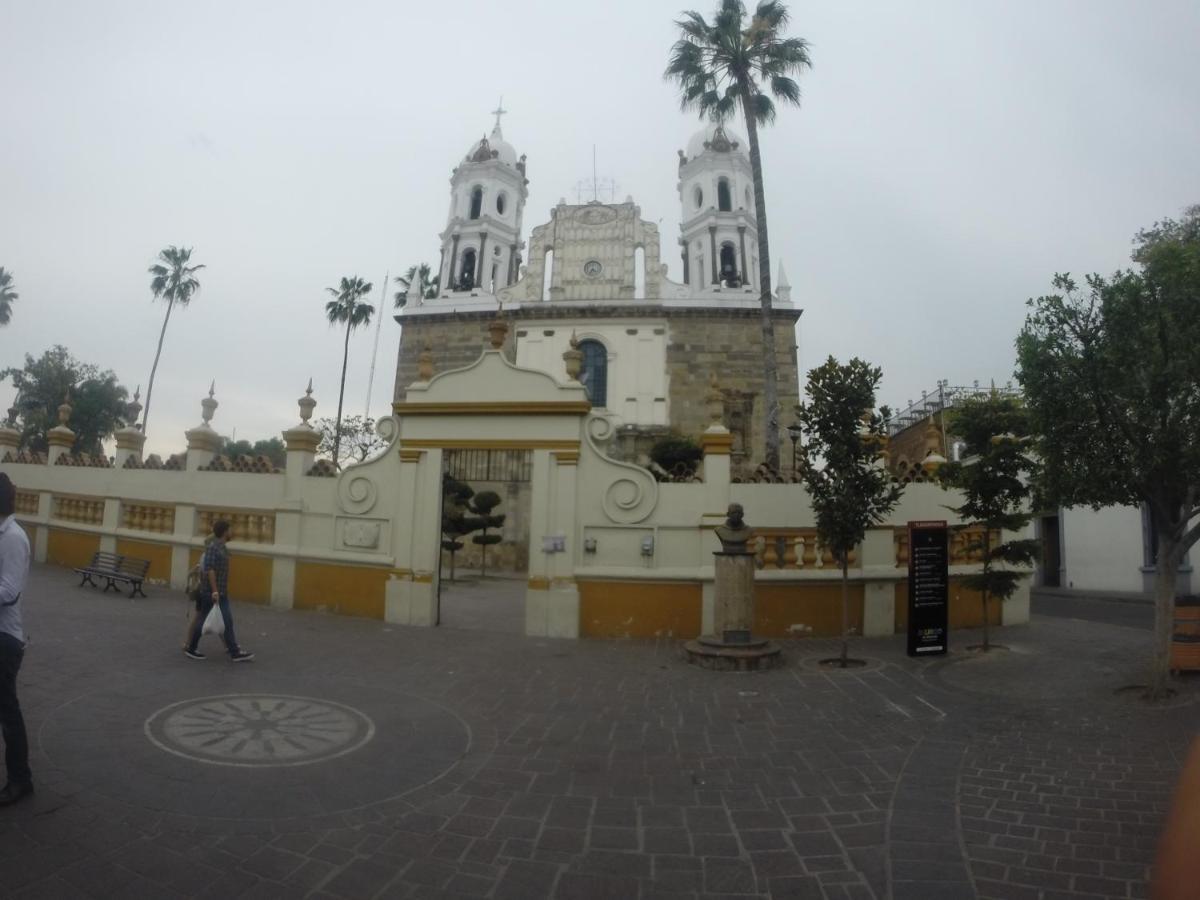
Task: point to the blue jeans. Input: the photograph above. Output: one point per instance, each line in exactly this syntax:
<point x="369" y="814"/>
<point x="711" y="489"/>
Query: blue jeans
<point x="206" y="605"/>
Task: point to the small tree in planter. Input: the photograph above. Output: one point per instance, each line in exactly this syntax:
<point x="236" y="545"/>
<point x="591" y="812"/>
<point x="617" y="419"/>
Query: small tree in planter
<point x="843" y="437"/>
<point x="455" y="522"/>
<point x="994" y="476"/>
<point x="482" y="505"/>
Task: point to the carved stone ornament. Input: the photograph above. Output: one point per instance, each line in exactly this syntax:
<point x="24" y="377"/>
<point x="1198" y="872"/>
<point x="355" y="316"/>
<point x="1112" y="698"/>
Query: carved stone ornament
<point x="306" y="404"/>
<point x="209" y="405"/>
<point x="364" y="535"/>
<point x="484" y="152"/>
<point x="596" y="215"/>
<point x="425" y="362"/>
<point x="574" y="359"/>
<point x="720" y="142"/>
<point x="497" y="332"/>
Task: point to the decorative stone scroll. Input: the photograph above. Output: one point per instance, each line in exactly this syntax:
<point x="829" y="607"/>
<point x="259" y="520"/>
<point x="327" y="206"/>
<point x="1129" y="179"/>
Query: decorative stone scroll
<point x="632" y="492"/>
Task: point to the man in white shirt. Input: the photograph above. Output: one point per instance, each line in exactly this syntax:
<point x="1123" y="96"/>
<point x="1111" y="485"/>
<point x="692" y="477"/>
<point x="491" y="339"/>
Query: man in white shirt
<point x="14" y="570"/>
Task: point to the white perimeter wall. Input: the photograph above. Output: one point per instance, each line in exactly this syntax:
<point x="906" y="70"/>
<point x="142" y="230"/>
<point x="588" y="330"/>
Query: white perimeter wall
<point x="1102" y="551"/>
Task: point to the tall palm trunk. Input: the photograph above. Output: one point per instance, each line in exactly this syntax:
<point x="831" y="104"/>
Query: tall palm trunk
<point x="845" y="610"/>
<point x="770" y="365"/>
<point x="154" y="368"/>
<point x="337" y="428"/>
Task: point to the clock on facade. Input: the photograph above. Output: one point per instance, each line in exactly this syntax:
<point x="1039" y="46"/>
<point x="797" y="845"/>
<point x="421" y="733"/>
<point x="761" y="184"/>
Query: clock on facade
<point x="592" y="268"/>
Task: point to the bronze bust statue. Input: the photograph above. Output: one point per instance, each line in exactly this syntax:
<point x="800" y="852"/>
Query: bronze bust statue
<point x="735" y="533"/>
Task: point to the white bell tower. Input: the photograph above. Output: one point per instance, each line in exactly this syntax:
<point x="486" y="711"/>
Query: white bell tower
<point x="481" y="245"/>
<point x="718" y="232"/>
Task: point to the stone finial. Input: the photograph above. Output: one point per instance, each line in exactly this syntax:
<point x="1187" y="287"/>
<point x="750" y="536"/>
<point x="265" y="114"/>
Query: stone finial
<point x="209" y="404"/>
<point x="497" y="332"/>
<point x="306" y="404"/>
<point x="714" y="401"/>
<point x="134" y="409"/>
<point x="574" y="359"/>
<point x="64" y="409"/>
<point x="425" y="362"/>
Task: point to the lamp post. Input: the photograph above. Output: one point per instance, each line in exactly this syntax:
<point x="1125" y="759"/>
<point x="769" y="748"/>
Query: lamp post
<point x="794" y="433"/>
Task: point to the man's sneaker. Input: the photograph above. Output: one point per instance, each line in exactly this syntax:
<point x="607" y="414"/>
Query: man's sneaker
<point x="241" y="656"/>
<point x="193" y="654"/>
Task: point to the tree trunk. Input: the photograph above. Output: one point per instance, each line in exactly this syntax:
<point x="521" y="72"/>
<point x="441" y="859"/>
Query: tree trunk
<point x="770" y="365"/>
<point x="1164" y="613"/>
<point x="337" y="427"/>
<point x="987" y="568"/>
<point x="483" y="555"/>
<point x="154" y="368"/>
<point x="845" y="612"/>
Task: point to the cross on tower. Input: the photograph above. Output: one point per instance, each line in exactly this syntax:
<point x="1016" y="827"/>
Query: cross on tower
<point x="498" y="112"/>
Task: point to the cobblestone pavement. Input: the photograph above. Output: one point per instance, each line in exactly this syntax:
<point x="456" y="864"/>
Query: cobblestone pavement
<point x="355" y="759"/>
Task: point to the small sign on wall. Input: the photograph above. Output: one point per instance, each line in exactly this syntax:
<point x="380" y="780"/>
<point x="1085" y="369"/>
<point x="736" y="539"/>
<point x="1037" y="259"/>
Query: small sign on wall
<point x="928" y="588"/>
<point x="554" y="543"/>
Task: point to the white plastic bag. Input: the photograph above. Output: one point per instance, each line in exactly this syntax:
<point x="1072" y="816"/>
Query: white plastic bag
<point x="214" y="622"/>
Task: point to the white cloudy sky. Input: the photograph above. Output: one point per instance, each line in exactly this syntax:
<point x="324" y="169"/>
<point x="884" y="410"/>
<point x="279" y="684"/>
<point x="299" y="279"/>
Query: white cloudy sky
<point x="949" y="157"/>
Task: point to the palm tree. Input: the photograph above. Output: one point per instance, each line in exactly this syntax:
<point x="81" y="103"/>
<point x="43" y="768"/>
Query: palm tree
<point x="346" y="307"/>
<point x="428" y="283"/>
<point x="7" y="296"/>
<point x="724" y="67"/>
<point x="174" y="281"/>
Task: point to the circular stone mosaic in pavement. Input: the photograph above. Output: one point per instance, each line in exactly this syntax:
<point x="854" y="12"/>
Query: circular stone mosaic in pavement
<point x="259" y="730"/>
<point x="288" y="748"/>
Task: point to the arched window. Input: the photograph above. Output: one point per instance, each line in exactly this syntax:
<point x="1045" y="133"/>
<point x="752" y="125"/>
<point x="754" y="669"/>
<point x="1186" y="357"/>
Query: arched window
<point x="639" y="274"/>
<point x="476" y="202"/>
<point x="724" y="203"/>
<point x="466" y="278"/>
<point x="698" y="197"/>
<point x="729" y="272"/>
<point x="594" y="373"/>
<point x="501" y="203"/>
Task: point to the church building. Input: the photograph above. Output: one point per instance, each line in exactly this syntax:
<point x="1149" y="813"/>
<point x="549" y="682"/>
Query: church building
<point x="592" y="277"/>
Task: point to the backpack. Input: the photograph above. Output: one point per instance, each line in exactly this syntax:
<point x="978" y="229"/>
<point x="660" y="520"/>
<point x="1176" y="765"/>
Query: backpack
<point x="192" y="587"/>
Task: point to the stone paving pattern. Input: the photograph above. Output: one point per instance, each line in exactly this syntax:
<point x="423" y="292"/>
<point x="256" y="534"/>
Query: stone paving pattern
<point x="514" y="768"/>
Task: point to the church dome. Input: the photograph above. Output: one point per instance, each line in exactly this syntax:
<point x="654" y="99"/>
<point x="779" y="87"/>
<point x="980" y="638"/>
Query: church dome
<point x="719" y="138"/>
<point x="493" y="147"/>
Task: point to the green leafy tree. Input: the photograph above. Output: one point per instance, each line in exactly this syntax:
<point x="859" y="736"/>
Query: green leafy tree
<point x="359" y="440"/>
<point x="1110" y="374"/>
<point x="427" y="281"/>
<point x="272" y="448"/>
<point x="482" y="505"/>
<point x="677" y="454"/>
<point x="994" y="477"/>
<point x="737" y="64"/>
<point x="850" y="488"/>
<point x="98" y="402"/>
<point x="455" y="521"/>
<point x="7" y="296"/>
<point x="347" y="308"/>
<point x="173" y="280"/>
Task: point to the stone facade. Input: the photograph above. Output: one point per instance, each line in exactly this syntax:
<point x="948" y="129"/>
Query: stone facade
<point x="701" y="341"/>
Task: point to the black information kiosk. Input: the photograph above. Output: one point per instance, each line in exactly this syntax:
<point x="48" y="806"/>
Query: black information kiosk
<point x="928" y="588"/>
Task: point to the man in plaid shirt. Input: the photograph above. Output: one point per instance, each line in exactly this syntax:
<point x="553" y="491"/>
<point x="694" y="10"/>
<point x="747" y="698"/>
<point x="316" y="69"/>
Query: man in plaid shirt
<point x="214" y="589"/>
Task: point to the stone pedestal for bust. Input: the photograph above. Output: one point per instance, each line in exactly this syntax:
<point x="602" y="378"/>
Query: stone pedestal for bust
<point x="733" y="646"/>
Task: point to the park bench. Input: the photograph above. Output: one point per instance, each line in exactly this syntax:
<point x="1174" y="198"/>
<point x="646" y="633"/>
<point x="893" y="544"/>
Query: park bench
<point x="115" y="569"/>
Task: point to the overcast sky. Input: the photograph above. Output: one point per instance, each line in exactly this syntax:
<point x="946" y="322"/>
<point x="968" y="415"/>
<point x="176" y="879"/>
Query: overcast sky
<point x="948" y="159"/>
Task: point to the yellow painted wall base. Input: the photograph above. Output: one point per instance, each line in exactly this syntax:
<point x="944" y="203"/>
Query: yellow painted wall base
<point x="348" y="590"/>
<point x="966" y="607"/>
<point x="805" y="610"/>
<point x="249" y="576"/>
<point x="71" y="548"/>
<point x="158" y="554"/>
<point x="639" y="609"/>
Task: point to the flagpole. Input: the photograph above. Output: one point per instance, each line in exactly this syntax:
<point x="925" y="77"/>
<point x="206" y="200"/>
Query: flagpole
<point x="375" y="351"/>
